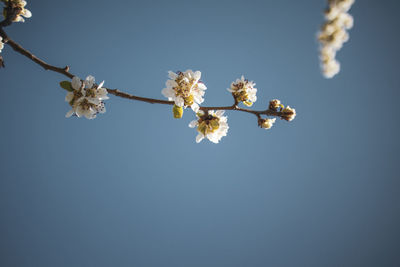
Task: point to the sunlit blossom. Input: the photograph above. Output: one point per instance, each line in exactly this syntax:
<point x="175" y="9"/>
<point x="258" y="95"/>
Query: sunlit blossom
<point x="243" y="91"/>
<point x="185" y="89"/>
<point x="86" y="99"/>
<point x="211" y="125"/>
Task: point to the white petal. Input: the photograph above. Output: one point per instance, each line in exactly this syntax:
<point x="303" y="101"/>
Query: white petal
<point x="201" y="86"/>
<point x="179" y="101"/>
<point x="26" y="13"/>
<point x="101" y="85"/>
<point x="76" y="83"/>
<point x="189" y="73"/>
<point x="95" y="101"/>
<point x="213" y="138"/>
<point x="195" y="107"/>
<point x="79" y="111"/>
<point x="168" y="93"/>
<point x="171" y="83"/>
<point x="198" y="99"/>
<point x="199" y="137"/>
<point x="69" y="113"/>
<point x="172" y="75"/>
<point x="197" y="75"/>
<point x="219" y="113"/>
<point x="223" y="119"/>
<point x="19" y="19"/>
<point x="89" y="81"/>
<point x="193" y="123"/>
<point x="69" y="97"/>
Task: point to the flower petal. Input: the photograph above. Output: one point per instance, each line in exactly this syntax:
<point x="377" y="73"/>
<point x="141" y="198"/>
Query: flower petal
<point x="76" y="83"/>
<point x="219" y="113"/>
<point x="199" y="137"/>
<point x="100" y="85"/>
<point x="168" y="93"/>
<point x="172" y="75"/>
<point x="89" y="81"/>
<point x="26" y="13"/>
<point x="193" y="123"/>
<point x="69" y="97"/>
<point x="195" y="107"/>
<point x="197" y="75"/>
<point x="179" y="101"/>
<point x="69" y="113"/>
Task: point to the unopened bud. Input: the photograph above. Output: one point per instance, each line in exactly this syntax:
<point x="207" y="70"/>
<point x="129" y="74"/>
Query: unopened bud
<point x="266" y="123"/>
<point x="177" y="111"/>
<point x="274" y="104"/>
<point x="288" y="113"/>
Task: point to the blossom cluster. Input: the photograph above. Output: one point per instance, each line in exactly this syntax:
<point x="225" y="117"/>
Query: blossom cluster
<point x="243" y="91"/>
<point x="185" y="89"/>
<point x="211" y="125"/>
<point x="333" y="34"/>
<point x="85" y="97"/>
<point x="286" y="113"/>
<point x="17" y="6"/>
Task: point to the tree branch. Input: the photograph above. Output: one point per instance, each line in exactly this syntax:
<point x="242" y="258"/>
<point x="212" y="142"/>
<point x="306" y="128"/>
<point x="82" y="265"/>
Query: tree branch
<point x="65" y="71"/>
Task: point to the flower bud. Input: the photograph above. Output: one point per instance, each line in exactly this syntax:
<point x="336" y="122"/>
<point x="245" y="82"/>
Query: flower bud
<point x="275" y="104"/>
<point x="288" y="113"/>
<point x="177" y="111"/>
<point x="266" y="123"/>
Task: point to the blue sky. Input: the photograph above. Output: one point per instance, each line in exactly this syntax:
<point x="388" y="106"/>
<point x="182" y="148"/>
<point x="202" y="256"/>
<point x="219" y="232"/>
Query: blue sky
<point x="132" y="188"/>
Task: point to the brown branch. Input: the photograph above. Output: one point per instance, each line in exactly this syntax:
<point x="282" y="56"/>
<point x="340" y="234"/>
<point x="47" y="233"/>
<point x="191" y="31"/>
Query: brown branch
<point x="18" y="48"/>
<point x="65" y="71"/>
<point x="116" y="92"/>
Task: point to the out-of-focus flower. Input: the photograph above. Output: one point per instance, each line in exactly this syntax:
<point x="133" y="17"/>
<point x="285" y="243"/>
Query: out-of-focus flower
<point x="1" y="43"/>
<point x="288" y="113"/>
<point x="86" y="98"/>
<point x="1" y="48"/>
<point x="185" y="89"/>
<point x="266" y="123"/>
<point x="334" y="34"/>
<point x="211" y="125"/>
<point x="19" y="6"/>
<point x="243" y="91"/>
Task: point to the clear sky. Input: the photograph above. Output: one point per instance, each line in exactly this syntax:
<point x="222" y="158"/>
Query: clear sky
<point x="132" y="188"/>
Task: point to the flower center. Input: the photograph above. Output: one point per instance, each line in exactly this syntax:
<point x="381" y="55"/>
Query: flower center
<point x="208" y="124"/>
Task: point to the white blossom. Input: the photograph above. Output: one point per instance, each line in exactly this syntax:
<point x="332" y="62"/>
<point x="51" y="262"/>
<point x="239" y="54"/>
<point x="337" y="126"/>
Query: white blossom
<point x="185" y="89"/>
<point x="23" y="12"/>
<point x="267" y="123"/>
<point x="243" y="90"/>
<point x="334" y="34"/>
<point x="86" y="99"/>
<point x="211" y="125"/>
